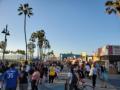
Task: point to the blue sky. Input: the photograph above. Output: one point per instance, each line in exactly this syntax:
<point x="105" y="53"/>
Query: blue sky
<point x="70" y="25"/>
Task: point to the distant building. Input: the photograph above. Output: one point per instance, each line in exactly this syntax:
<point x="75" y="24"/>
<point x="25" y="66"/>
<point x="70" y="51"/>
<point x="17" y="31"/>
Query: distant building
<point x="12" y="56"/>
<point x="69" y="55"/>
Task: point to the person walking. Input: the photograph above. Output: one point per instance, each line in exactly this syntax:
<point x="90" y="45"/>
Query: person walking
<point x="46" y="73"/>
<point x="35" y="79"/>
<point x="11" y="78"/>
<point x="93" y="74"/>
<point x="1" y="76"/>
<point x="74" y="80"/>
<point x="104" y="76"/>
<point x="87" y="70"/>
<point x="51" y="73"/>
<point x="23" y="79"/>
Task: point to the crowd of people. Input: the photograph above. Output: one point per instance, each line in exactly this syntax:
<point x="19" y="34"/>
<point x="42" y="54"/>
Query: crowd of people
<point x="21" y="74"/>
<point x="78" y="72"/>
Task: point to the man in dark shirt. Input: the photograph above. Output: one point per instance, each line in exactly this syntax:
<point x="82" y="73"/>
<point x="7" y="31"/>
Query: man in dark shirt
<point x="23" y="79"/>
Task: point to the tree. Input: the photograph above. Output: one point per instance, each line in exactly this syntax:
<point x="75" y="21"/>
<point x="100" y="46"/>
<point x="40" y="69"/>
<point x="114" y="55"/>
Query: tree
<point x="113" y="6"/>
<point x="46" y="45"/>
<point x="39" y="36"/>
<point x="50" y="54"/>
<point x="20" y="52"/>
<point x="27" y="11"/>
<point x="31" y="47"/>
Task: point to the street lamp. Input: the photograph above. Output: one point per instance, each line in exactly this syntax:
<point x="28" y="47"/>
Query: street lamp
<point x="6" y="32"/>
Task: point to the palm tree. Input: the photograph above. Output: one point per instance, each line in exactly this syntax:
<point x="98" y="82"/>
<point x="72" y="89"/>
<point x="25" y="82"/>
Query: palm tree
<point x="31" y="47"/>
<point x="39" y="36"/>
<point x="50" y="54"/>
<point x="113" y="7"/>
<point x="46" y="45"/>
<point x="27" y="11"/>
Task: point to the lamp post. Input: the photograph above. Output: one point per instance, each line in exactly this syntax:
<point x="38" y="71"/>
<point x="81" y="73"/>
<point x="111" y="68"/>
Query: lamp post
<point x="6" y="32"/>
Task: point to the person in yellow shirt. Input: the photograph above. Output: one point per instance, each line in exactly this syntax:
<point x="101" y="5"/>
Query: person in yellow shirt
<point x="52" y="73"/>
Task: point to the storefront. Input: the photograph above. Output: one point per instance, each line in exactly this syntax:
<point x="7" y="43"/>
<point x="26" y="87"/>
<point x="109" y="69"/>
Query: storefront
<point x="111" y="54"/>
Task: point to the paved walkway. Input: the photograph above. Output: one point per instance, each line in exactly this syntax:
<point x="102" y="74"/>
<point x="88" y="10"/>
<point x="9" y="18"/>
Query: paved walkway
<point x="98" y="84"/>
<point x="60" y="85"/>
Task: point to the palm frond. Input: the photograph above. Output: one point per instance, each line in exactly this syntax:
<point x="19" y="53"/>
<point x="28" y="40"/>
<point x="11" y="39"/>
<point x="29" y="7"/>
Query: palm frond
<point x="108" y="11"/>
<point x="42" y="31"/>
<point x="30" y="8"/>
<point x="118" y="9"/>
<point x="20" y="13"/>
<point x="26" y="5"/>
<point x="30" y="13"/>
<point x="32" y="39"/>
<point x="19" y="9"/>
<point x="114" y="11"/>
<point x="21" y="5"/>
<point x="109" y="3"/>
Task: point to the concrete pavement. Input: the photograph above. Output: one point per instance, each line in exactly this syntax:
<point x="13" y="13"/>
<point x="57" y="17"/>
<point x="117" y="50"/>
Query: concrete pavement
<point x="60" y="83"/>
<point x="98" y="83"/>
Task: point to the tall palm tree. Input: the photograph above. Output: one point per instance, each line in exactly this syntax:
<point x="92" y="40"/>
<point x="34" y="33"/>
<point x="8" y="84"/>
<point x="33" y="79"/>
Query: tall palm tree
<point x="113" y="6"/>
<point x="46" y="45"/>
<point x="27" y="11"/>
<point x="39" y="36"/>
<point x="31" y="47"/>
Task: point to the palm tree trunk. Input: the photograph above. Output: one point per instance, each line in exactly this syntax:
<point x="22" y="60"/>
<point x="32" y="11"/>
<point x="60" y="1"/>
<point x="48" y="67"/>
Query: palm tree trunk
<point x="48" y="55"/>
<point x="38" y="50"/>
<point x="41" y="54"/>
<point x="25" y="34"/>
<point x="44" y="53"/>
